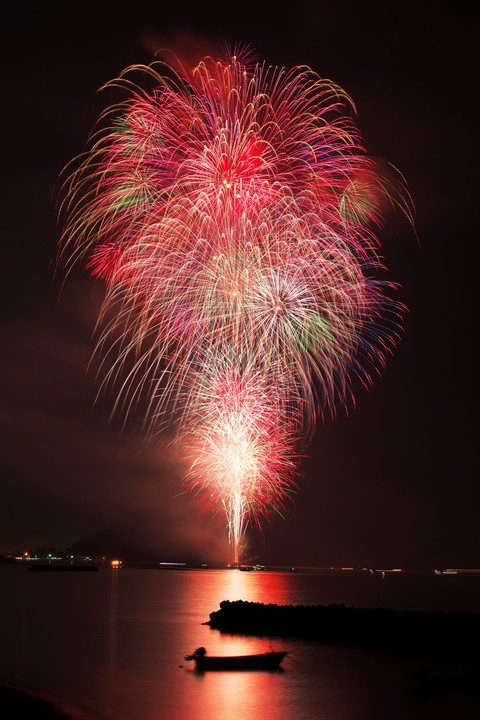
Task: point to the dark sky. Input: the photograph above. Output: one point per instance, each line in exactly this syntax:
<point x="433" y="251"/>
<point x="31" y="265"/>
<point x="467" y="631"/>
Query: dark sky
<point x="394" y="482"/>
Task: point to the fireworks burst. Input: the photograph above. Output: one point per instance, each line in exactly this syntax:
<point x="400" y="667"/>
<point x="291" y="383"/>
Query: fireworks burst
<point x="229" y="211"/>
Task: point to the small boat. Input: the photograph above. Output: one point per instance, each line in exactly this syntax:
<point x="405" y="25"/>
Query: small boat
<point x="263" y="661"/>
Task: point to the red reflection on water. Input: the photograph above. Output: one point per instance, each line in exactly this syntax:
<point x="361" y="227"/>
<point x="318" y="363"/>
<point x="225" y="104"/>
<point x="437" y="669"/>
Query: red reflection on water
<point x="204" y="593"/>
<point x="113" y="628"/>
<point x="256" y="586"/>
<point x="244" y="694"/>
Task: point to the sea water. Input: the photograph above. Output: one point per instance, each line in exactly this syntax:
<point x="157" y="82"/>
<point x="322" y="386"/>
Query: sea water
<point x="111" y="645"/>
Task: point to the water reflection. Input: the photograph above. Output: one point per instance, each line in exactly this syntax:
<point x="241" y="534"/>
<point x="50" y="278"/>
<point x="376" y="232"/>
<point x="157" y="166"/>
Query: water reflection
<point x="239" y="695"/>
<point x="113" y="626"/>
<point x="209" y="589"/>
<point x="255" y="586"/>
<point x="116" y="642"/>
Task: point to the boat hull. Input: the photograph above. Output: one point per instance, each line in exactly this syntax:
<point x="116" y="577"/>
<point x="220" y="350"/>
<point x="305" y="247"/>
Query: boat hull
<point x="264" y="661"/>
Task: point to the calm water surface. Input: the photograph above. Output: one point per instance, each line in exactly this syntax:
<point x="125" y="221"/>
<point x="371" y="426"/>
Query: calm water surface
<point x="111" y="645"/>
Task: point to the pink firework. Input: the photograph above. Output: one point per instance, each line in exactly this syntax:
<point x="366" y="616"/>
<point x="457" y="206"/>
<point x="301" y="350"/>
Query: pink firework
<point x="230" y="213"/>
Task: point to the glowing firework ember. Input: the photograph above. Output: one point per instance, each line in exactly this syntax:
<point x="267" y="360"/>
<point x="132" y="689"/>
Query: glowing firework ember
<point x="229" y="211"/>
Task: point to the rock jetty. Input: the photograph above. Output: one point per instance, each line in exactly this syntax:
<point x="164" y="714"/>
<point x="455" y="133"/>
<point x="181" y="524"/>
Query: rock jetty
<point x="376" y="627"/>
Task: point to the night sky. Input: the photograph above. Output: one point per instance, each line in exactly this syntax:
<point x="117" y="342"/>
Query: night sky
<point x="392" y="483"/>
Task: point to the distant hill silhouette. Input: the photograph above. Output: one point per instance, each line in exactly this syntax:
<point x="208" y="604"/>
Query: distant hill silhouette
<point x="142" y="536"/>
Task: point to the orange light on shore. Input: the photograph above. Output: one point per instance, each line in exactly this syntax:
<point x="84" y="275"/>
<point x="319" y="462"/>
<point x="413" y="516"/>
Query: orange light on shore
<point x="116" y="564"/>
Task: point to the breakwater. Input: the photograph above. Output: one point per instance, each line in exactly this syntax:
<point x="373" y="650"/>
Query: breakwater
<point x="376" y="627"/>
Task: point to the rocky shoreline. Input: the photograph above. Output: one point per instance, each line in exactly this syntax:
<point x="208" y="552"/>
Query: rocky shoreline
<point x="376" y="627"/>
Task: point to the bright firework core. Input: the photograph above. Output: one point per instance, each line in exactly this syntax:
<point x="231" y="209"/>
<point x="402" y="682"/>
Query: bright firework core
<point x="229" y="210"/>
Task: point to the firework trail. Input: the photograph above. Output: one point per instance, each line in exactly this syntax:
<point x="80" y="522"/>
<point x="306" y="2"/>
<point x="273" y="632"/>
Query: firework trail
<point x="229" y="211"/>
